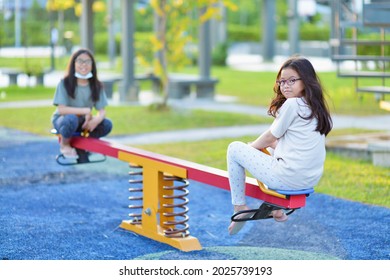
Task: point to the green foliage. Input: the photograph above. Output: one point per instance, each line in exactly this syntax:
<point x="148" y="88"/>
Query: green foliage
<point x="240" y="33"/>
<point x="101" y="43"/>
<point x="243" y="25"/>
<point x="144" y="19"/>
<point x="307" y="32"/>
<point x="36" y="69"/>
<point x="371" y="49"/>
<point x="219" y="54"/>
<point x="33" y="31"/>
<point x="312" y="32"/>
<point x="144" y="48"/>
<point x="246" y="15"/>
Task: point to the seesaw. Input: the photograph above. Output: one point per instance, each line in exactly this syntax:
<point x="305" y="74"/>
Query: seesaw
<point x="83" y="155"/>
<point x="265" y="209"/>
<point x="158" y="187"/>
<point x="268" y="205"/>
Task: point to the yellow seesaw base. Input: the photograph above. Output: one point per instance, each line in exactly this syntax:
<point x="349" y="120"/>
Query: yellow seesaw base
<point x="185" y="244"/>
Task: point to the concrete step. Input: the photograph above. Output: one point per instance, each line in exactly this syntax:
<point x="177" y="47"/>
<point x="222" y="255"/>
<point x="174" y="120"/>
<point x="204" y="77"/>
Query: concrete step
<point x="374" y="147"/>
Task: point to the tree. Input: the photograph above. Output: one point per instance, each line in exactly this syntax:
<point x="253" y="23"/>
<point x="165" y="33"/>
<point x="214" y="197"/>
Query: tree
<point x="171" y="37"/>
<point x="60" y="6"/>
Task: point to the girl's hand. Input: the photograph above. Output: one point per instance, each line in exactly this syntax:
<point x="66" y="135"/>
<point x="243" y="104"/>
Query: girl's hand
<point x="88" y="118"/>
<point x="92" y="123"/>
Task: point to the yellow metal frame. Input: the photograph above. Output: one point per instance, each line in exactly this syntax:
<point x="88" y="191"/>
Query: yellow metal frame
<point x="153" y="192"/>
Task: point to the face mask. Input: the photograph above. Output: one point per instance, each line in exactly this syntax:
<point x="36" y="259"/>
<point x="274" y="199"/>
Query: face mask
<point x="84" y="77"/>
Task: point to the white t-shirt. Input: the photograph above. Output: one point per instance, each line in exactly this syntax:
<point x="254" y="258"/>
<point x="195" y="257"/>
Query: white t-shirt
<point x="300" y="151"/>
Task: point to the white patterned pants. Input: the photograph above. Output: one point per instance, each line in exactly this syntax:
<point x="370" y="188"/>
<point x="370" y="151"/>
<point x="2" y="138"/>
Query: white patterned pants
<point x="242" y="157"/>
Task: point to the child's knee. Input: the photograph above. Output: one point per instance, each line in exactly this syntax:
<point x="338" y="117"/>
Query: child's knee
<point x="107" y="126"/>
<point x="68" y="125"/>
<point x="235" y="146"/>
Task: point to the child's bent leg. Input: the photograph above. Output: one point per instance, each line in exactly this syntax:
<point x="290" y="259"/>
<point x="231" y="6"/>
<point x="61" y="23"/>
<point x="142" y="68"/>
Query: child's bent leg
<point x="67" y="125"/>
<point x="263" y="167"/>
<point x="242" y="157"/>
<point x="67" y="150"/>
<point x="236" y="173"/>
<point x="103" y="129"/>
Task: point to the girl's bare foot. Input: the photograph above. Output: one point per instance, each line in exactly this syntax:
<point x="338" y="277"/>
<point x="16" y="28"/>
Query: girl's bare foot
<point x="68" y="152"/>
<point x="279" y="215"/>
<point x="235" y="227"/>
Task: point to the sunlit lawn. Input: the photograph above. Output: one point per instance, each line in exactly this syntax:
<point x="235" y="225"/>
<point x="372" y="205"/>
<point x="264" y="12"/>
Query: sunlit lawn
<point x="130" y="119"/>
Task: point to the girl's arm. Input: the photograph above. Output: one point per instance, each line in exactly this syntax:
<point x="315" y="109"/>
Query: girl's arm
<point x="265" y="140"/>
<point x="66" y="110"/>
<point x="100" y="115"/>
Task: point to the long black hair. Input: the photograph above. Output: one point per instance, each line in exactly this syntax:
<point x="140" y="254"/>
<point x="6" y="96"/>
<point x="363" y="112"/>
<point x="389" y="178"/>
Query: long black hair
<point x="70" y="81"/>
<point x="313" y="93"/>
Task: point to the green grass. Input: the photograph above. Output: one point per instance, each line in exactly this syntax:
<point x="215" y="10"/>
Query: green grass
<point x="15" y="93"/>
<point x="129" y="119"/>
<point x="356" y="180"/>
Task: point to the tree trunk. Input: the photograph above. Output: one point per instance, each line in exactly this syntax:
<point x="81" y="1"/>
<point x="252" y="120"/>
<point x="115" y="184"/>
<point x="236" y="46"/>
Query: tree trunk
<point x="162" y="52"/>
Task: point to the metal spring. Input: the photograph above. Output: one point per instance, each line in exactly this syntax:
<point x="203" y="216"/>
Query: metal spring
<point x="136" y="179"/>
<point x="177" y="226"/>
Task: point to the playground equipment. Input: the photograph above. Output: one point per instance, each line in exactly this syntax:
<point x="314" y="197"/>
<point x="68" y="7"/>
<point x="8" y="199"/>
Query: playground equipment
<point x="350" y="43"/>
<point x="266" y="208"/>
<point x="83" y="155"/>
<point x="158" y="187"/>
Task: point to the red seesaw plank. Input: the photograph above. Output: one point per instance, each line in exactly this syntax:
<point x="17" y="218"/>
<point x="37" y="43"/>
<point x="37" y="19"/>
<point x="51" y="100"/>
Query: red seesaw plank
<point x="201" y="173"/>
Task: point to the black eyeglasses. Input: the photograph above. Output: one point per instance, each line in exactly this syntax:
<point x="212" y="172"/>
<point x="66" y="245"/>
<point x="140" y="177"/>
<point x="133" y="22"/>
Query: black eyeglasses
<point x="289" y="82"/>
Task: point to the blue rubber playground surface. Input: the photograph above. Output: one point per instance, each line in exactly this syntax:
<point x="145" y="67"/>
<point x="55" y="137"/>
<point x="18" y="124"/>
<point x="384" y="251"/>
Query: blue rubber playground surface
<point x="54" y="212"/>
